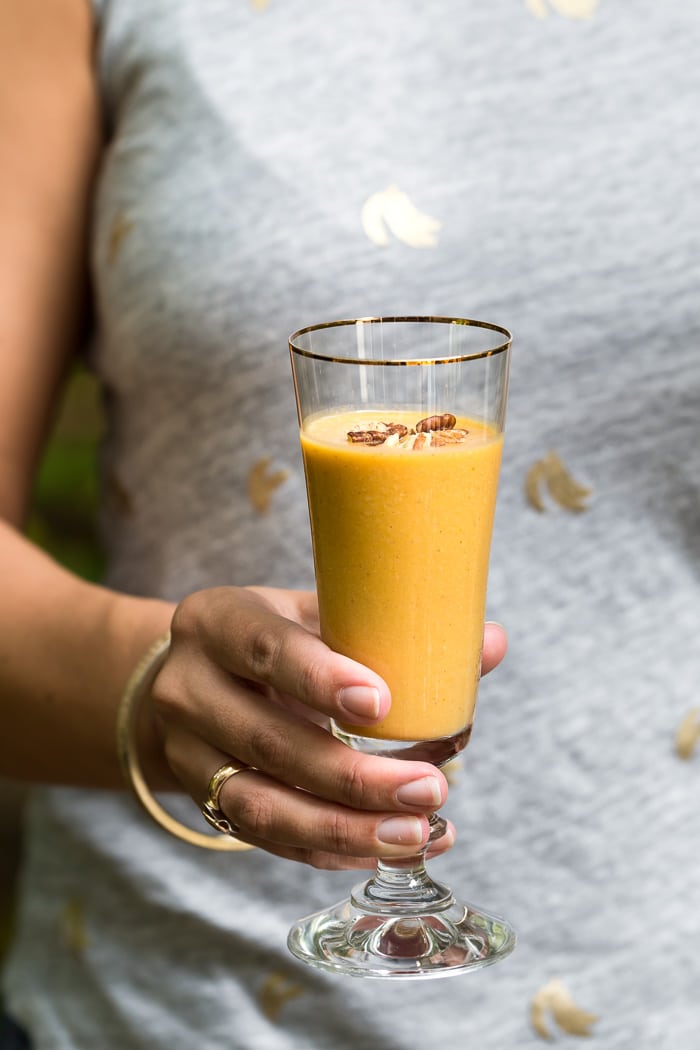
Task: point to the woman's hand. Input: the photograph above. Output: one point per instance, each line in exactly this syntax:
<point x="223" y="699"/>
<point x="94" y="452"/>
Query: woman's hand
<point x="249" y="681"/>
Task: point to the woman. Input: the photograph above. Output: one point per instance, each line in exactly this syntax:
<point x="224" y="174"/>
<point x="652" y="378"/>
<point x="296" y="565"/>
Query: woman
<point x="208" y="177"/>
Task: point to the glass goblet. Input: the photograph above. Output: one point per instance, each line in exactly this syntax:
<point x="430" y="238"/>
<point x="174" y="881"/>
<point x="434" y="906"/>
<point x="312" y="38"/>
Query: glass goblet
<point x="401" y="428"/>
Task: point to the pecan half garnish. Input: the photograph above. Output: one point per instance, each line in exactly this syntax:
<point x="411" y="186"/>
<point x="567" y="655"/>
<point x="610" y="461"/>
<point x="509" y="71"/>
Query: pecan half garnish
<point x="367" y="437"/>
<point x="376" y="433"/>
<point x="396" y="428"/>
<point x="448" y="437"/>
<point x="444" y="422"/>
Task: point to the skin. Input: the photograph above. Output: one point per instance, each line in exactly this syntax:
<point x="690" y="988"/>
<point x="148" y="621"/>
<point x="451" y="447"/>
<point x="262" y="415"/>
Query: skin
<point x="247" y="676"/>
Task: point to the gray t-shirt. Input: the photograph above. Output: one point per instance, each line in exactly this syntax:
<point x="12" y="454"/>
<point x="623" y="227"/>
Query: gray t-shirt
<point x="529" y="162"/>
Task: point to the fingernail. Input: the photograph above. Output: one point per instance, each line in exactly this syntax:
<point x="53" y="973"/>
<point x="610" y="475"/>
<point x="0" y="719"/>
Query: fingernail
<point x="360" y="701"/>
<point x="401" y="831"/>
<point x="423" y="792"/>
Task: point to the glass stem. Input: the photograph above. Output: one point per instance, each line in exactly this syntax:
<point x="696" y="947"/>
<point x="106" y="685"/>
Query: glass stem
<point x="403" y="882"/>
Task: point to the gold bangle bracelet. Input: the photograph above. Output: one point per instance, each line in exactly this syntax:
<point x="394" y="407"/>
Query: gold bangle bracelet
<point x="137" y="688"/>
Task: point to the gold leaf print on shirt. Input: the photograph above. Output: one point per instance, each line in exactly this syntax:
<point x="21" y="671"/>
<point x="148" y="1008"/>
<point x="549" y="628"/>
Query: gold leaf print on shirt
<point x="276" y="991"/>
<point x="555" y="998"/>
<point x="392" y="209"/>
<point x="72" y="926"/>
<point x="119" y="231"/>
<point x="551" y="473"/>
<point x="567" y="8"/>
<point x="688" y="734"/>
<point x="262" y="483"/>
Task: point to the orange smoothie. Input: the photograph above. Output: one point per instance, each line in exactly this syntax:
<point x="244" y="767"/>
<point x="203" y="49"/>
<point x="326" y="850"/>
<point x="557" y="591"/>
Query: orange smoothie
<point x="401" y="523"/>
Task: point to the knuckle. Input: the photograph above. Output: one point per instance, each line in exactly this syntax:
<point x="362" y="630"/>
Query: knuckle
<point x="254" y="813"/>
<point x="356" y="783"/>
<point x="339" y="834"/>
<point x="187" y="616"/>
<point x="268" y="747"/>
<point x="312" y="680"/>
<point x="264" y="650"/>
<point x="166" y="693"/>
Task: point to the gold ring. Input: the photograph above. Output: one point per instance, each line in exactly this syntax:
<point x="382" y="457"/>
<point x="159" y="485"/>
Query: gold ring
<point x="210" y="807"/>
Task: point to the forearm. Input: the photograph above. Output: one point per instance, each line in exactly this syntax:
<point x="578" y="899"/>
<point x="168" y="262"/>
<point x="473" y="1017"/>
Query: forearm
<point x="67" y="648"/>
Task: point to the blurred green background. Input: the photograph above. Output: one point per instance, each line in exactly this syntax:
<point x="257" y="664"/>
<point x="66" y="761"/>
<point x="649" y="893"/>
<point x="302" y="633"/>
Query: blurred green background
<point x="62" y="521"/>
<point x="63" y="514"/>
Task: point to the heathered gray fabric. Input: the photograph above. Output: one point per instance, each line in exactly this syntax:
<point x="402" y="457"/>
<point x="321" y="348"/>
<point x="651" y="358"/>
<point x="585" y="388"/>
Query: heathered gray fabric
<point x="557" y="143"/>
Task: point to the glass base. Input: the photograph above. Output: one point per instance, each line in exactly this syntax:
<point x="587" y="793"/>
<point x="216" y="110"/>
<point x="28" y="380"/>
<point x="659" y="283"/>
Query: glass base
<point x="438" y="937"/>
<point x="400" y="923"/>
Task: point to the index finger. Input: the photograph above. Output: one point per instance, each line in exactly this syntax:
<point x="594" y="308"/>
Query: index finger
<point x="248" y="637"/>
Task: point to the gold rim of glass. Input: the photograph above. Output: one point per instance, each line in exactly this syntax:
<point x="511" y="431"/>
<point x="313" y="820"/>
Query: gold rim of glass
<point x="421" y="319"/>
